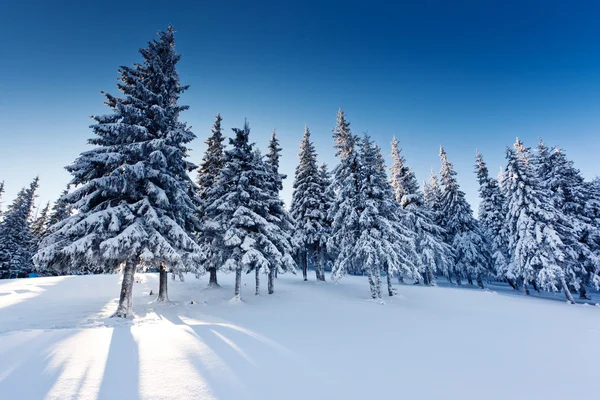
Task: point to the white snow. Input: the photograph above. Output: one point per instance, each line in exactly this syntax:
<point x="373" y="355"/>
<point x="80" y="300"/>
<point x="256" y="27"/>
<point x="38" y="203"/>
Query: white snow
<point x="307" y="341"/>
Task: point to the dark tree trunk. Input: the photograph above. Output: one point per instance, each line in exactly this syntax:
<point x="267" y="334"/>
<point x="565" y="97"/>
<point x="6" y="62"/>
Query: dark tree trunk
<point x="458" y="278"/>
<point x="238" y="283"/>
<point x="389" y="284"/>
<point x="212" y="280"/>
<point x="304" y="261"/>
<point x="480" y="282"/>
<point x="568" y="294"/>
<point x="512" y="283"/>
<point x="124" y="308"/>
<point x="526" y="289"/>
<point x="426" y="278"/>
<point x="583" y="292"/>
<point x="270" y="282"/>
<point x="257" y="280"/>
<point x="535" y="286"/>
<point x="162" y="284"/>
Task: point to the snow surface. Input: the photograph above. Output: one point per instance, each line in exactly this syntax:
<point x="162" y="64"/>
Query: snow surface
<point x="307" y="341"/>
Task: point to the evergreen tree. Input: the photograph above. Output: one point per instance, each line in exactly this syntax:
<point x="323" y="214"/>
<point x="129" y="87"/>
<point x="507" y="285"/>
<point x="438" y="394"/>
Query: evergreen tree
<point x="61" y="209"/>
<point x="432" y="254"/>
<point x="572" y="197"/>
<point x="208" y="175"/>
<point x="245" y="235"/>
<point x="492" y="210"/>
<point x="1" y="192"/>
<point x="39" y="225"/>
<point x="537" y="254"/>
<point x="345" y="229"/>
<point x="403" y="179"/>
<point x="323" y="258"/>
<point x="307" y="207"/>
<point x="16" y="239"/>
<point x="380" y="241"/>
<point x="135" y="198"/>
<point x="463" y="234"/>
<point x="277" y="214"/>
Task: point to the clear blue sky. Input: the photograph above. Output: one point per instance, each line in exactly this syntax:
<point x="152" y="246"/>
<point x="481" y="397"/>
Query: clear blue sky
<point x="465" y="74"/>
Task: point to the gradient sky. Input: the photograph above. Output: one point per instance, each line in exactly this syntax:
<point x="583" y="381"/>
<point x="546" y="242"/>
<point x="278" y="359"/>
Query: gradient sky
<point x="465" y="74"/>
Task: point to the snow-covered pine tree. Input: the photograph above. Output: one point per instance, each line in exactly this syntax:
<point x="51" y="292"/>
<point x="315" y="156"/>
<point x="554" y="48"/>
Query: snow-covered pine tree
<point x="245" y="236"/>
<point x="403" y="178"/>
<point x="307" y="208"/>
<point x="432" y="194"/>
<point x="277" y="214"/>
<point x="208" y="175"/>
<point x="492" y="210"/>
<point x="343" y="213"/>
<point x="135" y="197"/>
<point x="572" y="197"/>
<point x="472" y="256"/>
<point x="1" y="192"/>
<point x="433" y="255"/>
<point x="61" y="209"/>
<point x="381" y="240"/>
<point x="39" y="225"/>
<point x="323" y="259"/>
<point x="536" y="251"/>
<point x="16" y="239"/>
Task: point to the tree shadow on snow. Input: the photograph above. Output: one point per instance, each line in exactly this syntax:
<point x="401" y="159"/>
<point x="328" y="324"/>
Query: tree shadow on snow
<point x="121" y="372"/>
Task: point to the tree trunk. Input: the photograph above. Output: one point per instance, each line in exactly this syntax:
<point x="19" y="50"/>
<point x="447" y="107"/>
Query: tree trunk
<point x="212" y="280"/>
<point x="378" y="282"/>
<point x="372" y="285"/>
<point x="304" y="260"/>
<point x="270" y="279"/>
<point x="469" y="279"/>
<point x="480" y="282"/>
<point x="389" y="284"/>
<point x="400" y="278"/>
<point x="526" y="289"/>
<point x="568" y="294"/>
<point x="512" y="283"/>
<point x="257" y="279"/>
<point x="535" y="286"/>
<point x="124" y="308"/>
<point x="238" y="283"/>
<point x="583" y="292"/>
<point x="426" y="277"/>
<point x="458" y="278"/>
<point x="162" y="284"/>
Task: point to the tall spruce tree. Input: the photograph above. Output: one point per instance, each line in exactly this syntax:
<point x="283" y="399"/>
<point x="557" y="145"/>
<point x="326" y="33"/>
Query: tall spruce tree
<point x="380" y="241"/>
<point x="433" y="255"/>
<point x="572" y="197"/>
<point x="537" y="254"/>
<point x="492" y="210"/>
<point x="277" y="214"/>
<point x="135" y="198"/>
<point x="345" y="229"/>
<point x="1" y="193"/>
<point x="61" y="209"/>
<point x="245" y="235"/>
<point x="208" y="176"/>
<point x="307" y="208"/>
<point x="16" y="239"/>
<point x="324" y="259"/>
<point x="472" y="256"/>
<point x="39" y="225"/>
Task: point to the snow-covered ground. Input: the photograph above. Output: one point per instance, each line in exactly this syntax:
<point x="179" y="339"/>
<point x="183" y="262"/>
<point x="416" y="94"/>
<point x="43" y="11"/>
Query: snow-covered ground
<point x="307" y="341"/>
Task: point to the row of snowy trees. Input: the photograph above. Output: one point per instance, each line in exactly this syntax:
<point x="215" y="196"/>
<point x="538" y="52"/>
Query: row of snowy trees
<point x="136" y="207"/>
<point x="22" y="227"/>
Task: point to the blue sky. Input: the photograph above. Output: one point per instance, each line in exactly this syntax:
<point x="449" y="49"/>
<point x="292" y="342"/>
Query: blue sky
<point x="466" y="74"/>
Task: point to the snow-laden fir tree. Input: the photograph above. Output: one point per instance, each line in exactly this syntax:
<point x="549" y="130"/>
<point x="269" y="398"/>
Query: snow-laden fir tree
<point x="61" y="209"/>
<point x="432" y="253"/>
<point x="323" y="259"/>
<point x="472" y="257"/>
<point x="432" y="193"/>
<point x="403" y="178"/>
<point x="134" y="198"/>
<point x="39" y="225"/>
<point x="572" y="197"/>
<point x="536" y="251"/>
<point x="208" y="175"/>
<point x="246" y="238"/>
<point x="308" y="208"/>
<point x="16" y="239"/>
<point x="343" y="212"/>
<point x="492" y="210"/>
<point x="277" y="214"/>
<point x="382" y="243"/>
<point x="1" y="193"/>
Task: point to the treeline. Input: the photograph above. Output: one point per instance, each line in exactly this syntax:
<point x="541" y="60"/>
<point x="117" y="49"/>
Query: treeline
<point x="133" y="206"/>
